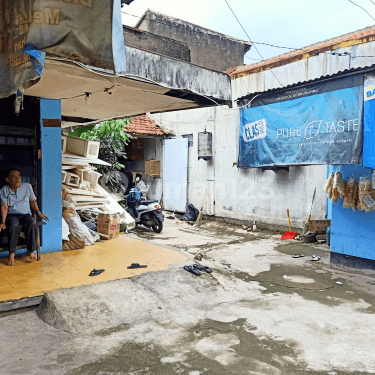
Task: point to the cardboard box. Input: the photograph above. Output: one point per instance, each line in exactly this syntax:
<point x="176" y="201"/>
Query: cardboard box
<point x="108" y="224"/>
<point x="106" y="218"/>
<point x="319" y="226"/>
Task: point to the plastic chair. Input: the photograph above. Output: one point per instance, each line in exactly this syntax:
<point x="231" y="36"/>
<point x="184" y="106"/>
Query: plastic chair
<point x="144" y="193"/>
<point x="39" y="223"/>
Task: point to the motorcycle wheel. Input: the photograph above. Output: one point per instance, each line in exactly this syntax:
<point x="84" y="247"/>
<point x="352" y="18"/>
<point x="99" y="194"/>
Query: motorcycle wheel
<point x="158" y="227"/>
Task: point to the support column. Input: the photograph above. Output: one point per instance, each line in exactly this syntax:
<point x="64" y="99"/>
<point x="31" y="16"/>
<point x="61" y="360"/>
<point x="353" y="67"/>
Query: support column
<point x="51" y="200"/>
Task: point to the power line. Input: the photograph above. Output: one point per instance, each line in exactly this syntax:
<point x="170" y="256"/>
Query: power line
<point x="199" y="32"/>
<point x="250" y="58"/>
<point x="250" y="40"/>
<point x="362" y="9"/>
<point x="372" y="2"/>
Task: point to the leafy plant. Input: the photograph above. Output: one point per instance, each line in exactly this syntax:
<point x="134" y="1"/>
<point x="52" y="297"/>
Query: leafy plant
<point x="113" y="139"/>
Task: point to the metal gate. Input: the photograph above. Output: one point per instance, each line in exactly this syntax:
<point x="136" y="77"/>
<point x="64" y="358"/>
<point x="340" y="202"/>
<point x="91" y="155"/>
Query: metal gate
<point x="175" y="163"/>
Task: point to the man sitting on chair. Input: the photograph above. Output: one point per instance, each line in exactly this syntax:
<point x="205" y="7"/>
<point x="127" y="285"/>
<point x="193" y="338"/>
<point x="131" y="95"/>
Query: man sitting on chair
<point x="16" y="200"/>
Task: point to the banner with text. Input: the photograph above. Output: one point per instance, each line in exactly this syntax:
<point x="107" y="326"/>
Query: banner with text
<point x="87" y="31"/>
<point x="319" y="123"/>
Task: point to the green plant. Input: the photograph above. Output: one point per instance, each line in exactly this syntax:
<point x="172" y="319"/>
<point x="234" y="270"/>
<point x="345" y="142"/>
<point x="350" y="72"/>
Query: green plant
<point x="113" y="139"/>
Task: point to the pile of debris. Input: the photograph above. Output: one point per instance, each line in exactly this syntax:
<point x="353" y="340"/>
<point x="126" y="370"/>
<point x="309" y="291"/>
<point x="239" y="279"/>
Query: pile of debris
<point x="83" y="196"/>
<point x="79" y="177"/>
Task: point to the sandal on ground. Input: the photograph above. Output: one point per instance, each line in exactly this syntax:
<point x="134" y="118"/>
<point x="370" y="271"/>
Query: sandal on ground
<point x="315" y="257"/>
<point x="136" y="265"/>
<point x="202" y="268"/>
<point x="95" y="272"/>
<point x="192" y="270"/>
<point x="297" y="255"/>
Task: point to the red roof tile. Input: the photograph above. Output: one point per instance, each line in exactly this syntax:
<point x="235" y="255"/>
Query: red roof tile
<point x="145" y="126"/>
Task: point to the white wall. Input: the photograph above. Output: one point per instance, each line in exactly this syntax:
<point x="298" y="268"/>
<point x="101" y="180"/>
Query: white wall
<point x="247" y="194"/>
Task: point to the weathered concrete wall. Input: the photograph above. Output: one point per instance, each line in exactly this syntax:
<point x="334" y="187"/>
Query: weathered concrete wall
<point x="208" y="48"/>
<point x="176" y="74"/>
<point x="246" y="194"/>
<point x="156" y="44"/>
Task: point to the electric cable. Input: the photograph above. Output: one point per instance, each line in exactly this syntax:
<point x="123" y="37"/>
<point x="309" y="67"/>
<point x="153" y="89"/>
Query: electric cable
<point x="372" y="2"/>
<point x="362" y="9"/>
<point x="250" y="58"/>
<point x="250" y="41"/>
<point x="197" y="32"/>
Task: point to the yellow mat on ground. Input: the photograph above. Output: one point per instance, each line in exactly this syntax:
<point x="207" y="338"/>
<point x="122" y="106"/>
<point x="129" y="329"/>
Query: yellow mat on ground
<point x="67" y="269"/>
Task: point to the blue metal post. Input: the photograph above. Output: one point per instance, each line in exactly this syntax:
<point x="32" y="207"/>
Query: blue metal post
<point x="51" y="203"/>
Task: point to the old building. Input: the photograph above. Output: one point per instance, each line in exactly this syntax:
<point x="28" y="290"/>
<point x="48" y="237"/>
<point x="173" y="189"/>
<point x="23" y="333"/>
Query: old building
<point x="209" y="49"/>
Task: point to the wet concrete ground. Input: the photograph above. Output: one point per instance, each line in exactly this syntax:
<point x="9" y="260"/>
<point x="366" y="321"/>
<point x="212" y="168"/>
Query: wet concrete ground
<point x="244" y="318"/>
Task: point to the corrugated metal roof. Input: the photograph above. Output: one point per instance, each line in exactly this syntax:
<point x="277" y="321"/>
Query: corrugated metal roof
<point x="321" y="65"/>
<point x="306" y="64"/>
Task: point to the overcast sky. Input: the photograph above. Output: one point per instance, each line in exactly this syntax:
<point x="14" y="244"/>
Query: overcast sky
<point x="289" y="23"/>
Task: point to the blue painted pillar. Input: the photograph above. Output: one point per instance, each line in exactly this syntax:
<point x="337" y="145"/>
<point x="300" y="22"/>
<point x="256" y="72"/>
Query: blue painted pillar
<point x="51" y="203"/>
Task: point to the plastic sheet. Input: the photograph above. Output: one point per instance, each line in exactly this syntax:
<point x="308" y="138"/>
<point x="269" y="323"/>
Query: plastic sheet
<point x="65" y="230"/>
<point x="78" y="229"/>
<point x="191" y="213"/>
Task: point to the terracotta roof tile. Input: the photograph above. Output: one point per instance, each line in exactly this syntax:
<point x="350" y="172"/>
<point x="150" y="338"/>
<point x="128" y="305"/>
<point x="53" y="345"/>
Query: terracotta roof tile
<point x="144" y="125"/>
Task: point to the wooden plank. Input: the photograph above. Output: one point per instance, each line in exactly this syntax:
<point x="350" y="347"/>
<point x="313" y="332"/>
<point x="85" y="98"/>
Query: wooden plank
<point x="78" y="198"/>
<point x="71" y="190"/>
<point x="90" y="206"/>
<point x="80" y="159"/>
<point x="74" y="162"/>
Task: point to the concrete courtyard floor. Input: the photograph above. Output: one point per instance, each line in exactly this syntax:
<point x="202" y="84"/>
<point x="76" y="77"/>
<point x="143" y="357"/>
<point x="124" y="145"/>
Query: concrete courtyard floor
<point x="244" y="318"/>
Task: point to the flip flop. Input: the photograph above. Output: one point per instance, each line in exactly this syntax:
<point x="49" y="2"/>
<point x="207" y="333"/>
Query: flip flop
<point x="297" y="255"/>
<point x="199" y="267"/>
<point x="136" y="265"/>
<point x="315" y="257"/>
<point x="192" y="270"/>
<point x="95" y="272"/>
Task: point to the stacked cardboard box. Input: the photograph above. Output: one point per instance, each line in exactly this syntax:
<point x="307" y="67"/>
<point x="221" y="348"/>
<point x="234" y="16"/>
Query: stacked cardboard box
<point x="108" y="225"/>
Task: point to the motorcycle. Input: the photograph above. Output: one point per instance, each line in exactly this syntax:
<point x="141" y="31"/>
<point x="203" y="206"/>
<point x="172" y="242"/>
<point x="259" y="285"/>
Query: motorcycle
<point x="147" y="213"/>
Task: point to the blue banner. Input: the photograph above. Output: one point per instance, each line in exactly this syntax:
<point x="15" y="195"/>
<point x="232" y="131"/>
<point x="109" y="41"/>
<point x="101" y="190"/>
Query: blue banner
<point x="315" y="124"/>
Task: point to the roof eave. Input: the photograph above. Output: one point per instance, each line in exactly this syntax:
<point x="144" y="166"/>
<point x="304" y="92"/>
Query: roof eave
<point x="309" y="51"/>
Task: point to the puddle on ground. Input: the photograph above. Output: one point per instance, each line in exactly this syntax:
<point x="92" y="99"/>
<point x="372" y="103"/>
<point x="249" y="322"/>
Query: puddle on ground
<point x="320" y="286"/>
<point x="209" y="347"/>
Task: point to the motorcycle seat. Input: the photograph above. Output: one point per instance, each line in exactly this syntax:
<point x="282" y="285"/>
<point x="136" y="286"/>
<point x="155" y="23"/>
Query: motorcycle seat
<point x="150" y="201"/>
